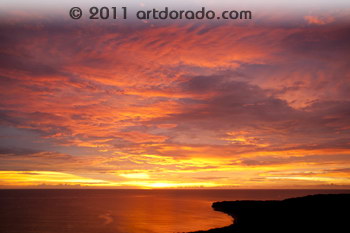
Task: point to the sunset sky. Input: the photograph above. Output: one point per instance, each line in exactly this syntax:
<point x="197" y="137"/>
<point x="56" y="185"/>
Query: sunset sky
<point x="263" y="103"/>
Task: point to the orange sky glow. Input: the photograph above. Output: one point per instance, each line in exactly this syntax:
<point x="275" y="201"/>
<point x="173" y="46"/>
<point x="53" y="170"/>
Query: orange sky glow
<point x="263" y="104"/>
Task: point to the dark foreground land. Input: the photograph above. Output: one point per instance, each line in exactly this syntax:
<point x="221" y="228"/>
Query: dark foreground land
<point x="311" y="214"/>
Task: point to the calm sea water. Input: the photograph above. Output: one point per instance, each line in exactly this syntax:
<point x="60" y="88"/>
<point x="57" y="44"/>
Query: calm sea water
<point x="123" y="211"/>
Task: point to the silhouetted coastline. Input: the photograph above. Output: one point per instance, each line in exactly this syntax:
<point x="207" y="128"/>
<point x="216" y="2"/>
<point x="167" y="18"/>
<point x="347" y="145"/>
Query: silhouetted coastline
<point x="314" y="213"/>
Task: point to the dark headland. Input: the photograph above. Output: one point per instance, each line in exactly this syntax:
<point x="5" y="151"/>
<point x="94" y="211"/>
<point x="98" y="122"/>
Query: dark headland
<point x="311" y="214"/>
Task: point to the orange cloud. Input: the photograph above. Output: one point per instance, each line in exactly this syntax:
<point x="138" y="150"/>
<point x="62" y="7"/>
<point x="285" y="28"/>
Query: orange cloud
<point x="173" y="105"/>
<point x="319" y="20"/>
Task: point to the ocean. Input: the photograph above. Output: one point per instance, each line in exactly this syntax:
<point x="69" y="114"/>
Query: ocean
<point x="124" y="211"/>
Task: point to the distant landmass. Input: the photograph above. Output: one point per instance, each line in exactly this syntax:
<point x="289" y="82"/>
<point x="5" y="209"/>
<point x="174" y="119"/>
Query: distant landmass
<point x="310" y="214"/>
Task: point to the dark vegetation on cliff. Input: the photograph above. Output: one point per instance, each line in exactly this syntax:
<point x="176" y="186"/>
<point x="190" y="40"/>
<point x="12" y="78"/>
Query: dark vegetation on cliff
<point x="310" y="214"/>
